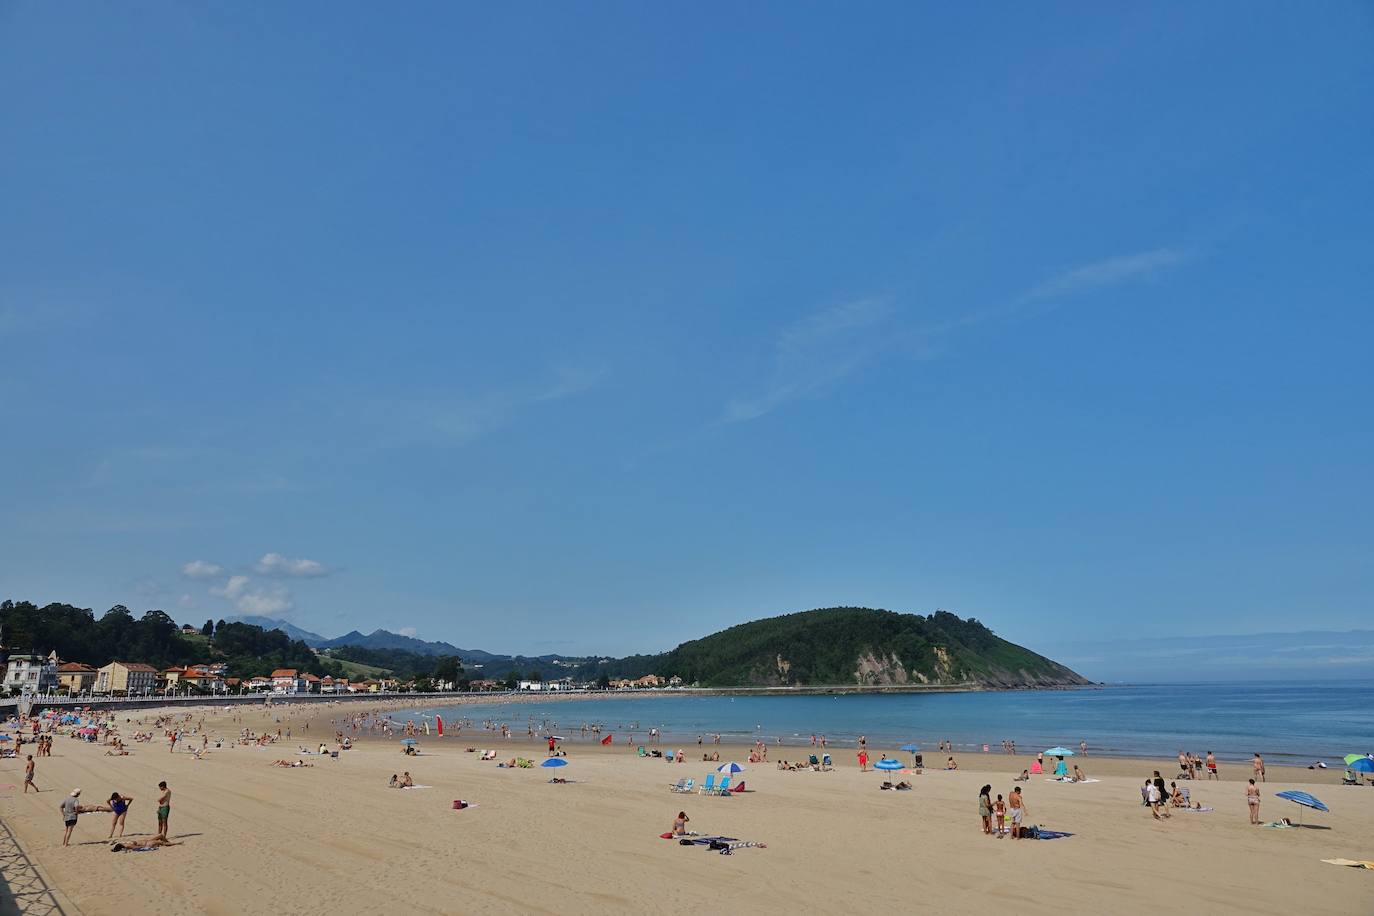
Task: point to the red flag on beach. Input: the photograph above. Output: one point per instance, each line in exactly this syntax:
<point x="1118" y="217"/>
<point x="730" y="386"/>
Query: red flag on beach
<point x="607" y="739"/>
<point x="439" y="721"/>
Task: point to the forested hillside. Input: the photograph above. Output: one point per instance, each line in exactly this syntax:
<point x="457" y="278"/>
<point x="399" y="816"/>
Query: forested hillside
<point x="851" y="646"/>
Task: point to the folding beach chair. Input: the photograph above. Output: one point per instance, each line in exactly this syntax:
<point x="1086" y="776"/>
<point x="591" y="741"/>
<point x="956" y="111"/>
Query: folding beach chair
<point x="709" y="786"/>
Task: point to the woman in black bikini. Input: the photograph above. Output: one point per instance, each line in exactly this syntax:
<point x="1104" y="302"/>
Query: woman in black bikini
<point x="119" y="804"/>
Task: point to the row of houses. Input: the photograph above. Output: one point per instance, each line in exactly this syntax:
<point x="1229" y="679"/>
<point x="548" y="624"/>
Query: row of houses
<point x="43" y="674"/>
<point x="567" y="683"/>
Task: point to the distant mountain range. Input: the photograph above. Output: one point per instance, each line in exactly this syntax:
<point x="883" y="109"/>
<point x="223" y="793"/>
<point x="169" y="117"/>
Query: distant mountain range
<point x="824" y="647"/>
<point x="385" y="639"/>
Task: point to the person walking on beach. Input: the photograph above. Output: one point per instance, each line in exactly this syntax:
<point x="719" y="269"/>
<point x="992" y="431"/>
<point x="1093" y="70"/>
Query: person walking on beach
<point x="1259" y="768"/>
<point x="1083" y="746"/>
<point x="1212" y="767"/>
<point x="985" y="809"/>
<point x="863" y="761"/>
<point x="164" y="808"/>
<point x="1018" y="811"/>
<point x="1252" y="799"/>
<point x="28" y="776"/>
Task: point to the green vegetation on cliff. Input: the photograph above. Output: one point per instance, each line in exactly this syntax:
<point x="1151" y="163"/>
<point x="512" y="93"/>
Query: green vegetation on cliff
<point x="848" y="646"/>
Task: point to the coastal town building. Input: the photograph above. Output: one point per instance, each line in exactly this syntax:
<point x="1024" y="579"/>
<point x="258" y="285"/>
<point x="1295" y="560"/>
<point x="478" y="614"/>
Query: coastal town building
<point x="32" y="673"/>
<point x="74" y="677"/>
<point x="129" y="678"/>
<point x="287" y="680"/>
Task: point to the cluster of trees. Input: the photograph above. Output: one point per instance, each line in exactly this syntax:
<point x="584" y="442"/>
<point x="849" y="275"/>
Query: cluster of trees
<point x="407" y="665"/>
<point x="153" y="639"/>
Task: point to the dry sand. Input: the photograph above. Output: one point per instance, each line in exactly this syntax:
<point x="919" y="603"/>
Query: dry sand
<point x="334" y="838"/>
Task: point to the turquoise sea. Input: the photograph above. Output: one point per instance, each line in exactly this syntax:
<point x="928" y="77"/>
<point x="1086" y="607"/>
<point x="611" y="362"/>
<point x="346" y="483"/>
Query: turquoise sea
<point x="1288" y="723"/>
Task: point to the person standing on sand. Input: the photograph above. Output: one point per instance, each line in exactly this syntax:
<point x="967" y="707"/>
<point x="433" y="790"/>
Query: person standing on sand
<point x="119" y="804"/>
<point x="999" y="808"/>
<point x="1018" y="811"/>
<point x="1252" y="799"/>
<point x="1212" y="767"/>
<point x="863" y="761"/>
<point x="985" y="809"/>
<point x="28" y="776"/>
<point x="164" y="808"/>
<point x="1083" y="746"/>
<point x="1259" y="768"/>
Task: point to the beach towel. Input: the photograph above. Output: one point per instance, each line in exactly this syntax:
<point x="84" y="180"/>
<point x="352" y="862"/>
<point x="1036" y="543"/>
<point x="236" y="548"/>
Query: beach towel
<point x="1043" y="834"/>
<point x="1071" y="781"/>
<point x="705" y="840"/>
<point x="606" y="741"/>
<point x="729" y="848"/>
<point x="415" y="787"/>
<point x="1202" y="810"/>
<point x="1350" y="863"/>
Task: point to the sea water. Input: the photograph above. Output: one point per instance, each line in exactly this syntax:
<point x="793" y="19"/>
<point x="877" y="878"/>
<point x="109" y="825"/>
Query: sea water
<point x="1296" y="722"/>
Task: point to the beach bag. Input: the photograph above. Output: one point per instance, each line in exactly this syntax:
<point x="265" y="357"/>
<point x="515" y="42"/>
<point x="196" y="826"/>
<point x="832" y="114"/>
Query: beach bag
<point x="459" y="804"/>
<point x="684" y="842"/>
<point x="717" y="844"/>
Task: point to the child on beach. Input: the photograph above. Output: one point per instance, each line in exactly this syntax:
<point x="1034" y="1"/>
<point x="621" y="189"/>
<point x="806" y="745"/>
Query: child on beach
<point x="999" y="808"/>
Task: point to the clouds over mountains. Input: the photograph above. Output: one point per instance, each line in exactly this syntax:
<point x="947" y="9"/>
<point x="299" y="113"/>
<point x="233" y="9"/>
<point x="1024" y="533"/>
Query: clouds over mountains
<point x="257" y="588"/>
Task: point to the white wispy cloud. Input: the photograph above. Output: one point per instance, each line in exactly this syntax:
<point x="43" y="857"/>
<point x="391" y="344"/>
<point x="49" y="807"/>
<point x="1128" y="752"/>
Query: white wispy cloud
<point x="202" y="569"/>
<point x="274" y="564"/>
<point x="407" y="631"/>
<point x="812" y="354"/>
<point x="458" y="418"/>
<point x="231" y="588"/>
<point x="1108" y="272"/>
<point x="267" y="602"/>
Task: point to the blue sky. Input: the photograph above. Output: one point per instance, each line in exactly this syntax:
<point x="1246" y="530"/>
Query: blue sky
<point x="600" y="327"/>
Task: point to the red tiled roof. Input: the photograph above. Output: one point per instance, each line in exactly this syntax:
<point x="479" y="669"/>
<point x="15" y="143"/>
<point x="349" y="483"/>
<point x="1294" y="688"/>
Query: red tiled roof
<point x="137" y="666"/>
<point x="71" y="667"/>
<point x="284" y="672"/>
<point x="311" y="677"/>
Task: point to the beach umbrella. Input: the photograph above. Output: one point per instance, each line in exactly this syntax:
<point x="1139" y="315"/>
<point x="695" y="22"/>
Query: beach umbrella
<point x="730" y="768"/>
<point x="887" y="763"/>
<point x="912" y="749"/>
<point x="555" y="762"/>
<point x="1351" y="758"/>
<point x="1058" y="752"/>
<point x="5" y="738"/>
<point x="1361" y="765"/>
<point x="1303" y="800"/>
<point x="409" y="741"/>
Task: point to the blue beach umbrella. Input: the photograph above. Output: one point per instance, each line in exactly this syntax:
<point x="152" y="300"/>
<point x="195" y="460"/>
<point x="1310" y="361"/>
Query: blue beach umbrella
<point x="1058" y="752"/>
<point x="911" y="749"/>
<point x="555" y="762"/>
<point x="1362" y="765"/>
<point x="730" y="768"/>
<point x="887" y="763"/>
<point x="1304" y="800"/>
<point x="409" y="741"/>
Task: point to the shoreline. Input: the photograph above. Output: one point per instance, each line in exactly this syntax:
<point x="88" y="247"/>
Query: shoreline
<point x="309" y="709"/>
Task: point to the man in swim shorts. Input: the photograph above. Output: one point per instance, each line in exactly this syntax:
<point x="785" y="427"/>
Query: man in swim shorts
<point x="164" y="808"/>
<point x="1018" y="811"/>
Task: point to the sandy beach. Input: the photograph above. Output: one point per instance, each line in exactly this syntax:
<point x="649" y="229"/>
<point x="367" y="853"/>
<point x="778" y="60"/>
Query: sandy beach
<point x="333" y="836"/>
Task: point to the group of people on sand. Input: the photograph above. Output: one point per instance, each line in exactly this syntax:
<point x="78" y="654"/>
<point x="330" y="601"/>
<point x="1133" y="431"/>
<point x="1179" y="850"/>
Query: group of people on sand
<point x="118" y="806"/>
<point x="404" y="781"/>
<point x="995" y="813"/>
<point x="1191" y="766"/>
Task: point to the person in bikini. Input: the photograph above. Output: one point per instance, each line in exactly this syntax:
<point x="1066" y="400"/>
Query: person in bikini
<point x="999" y="808"/>
<point x="680" y="824"/>
<point x="1252" y="799"/>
